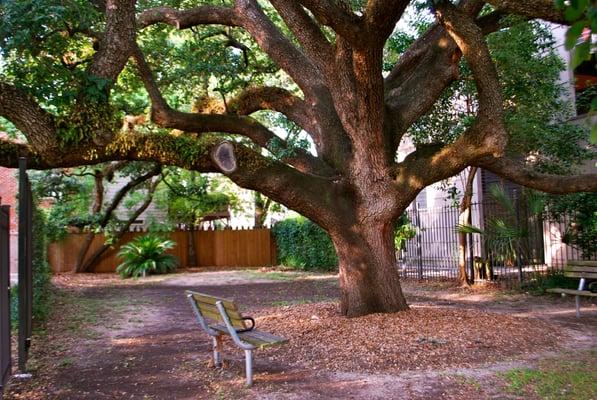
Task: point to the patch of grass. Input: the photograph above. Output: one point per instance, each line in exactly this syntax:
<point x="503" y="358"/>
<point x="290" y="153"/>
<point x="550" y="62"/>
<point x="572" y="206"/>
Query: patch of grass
<point x="65" y="362"/>
<point x="468" y="381"/>
<point x="273" y="275"/>
<point x="314" y="299"/>
<point x="556" y="380"/>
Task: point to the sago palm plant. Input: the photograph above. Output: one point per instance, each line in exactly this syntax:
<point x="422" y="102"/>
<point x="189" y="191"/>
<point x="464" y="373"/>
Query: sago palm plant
<point x="504" y="236"/>
<point x="146" y="255"/>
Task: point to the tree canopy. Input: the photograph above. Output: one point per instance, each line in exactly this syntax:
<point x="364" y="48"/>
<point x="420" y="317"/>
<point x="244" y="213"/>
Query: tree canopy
<point x="304" y="101"/>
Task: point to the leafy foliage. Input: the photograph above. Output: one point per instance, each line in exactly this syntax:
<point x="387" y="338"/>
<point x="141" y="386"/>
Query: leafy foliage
<point x="71" y="201"/>
<point x="553" y="279"/>
<point x="404" y="231"/>
<point x="146" y="255"/>
<point x="534" y="101"/>
<point x="41" y="305"/>
<point x="581" y="231"/>
<point x="504" y="236"/>
<point x="304" y="245"/>
<point x="189" y="196"/>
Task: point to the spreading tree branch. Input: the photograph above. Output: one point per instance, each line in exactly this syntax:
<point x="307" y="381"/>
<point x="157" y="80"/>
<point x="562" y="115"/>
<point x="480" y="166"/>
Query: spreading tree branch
<point x="516" y="171"/>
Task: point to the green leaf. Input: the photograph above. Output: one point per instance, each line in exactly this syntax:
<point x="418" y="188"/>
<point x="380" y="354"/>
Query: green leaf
<point x="576" y="10"/>
<point x="594" y="134"/>
<point x="581" y="53"/>
<point x="573" y="34"/>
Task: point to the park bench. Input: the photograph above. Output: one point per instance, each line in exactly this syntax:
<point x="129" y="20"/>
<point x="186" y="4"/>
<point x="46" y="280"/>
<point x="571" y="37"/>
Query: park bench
<point x="220" y="317"/>
<point x="578" y="269"/>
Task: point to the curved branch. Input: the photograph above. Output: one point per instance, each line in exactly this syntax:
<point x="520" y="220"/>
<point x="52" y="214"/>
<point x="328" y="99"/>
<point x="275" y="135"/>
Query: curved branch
<point x="516" y="171"/>
<point x="381" y="17"/>
<point x="308" y="33"/>
<point x="166" y="117"/>
<point x="248" y="15"/>
<point x="470" y="40"/>
<point x="123" y="191"/>
<point x="34" y="122"/>
<point x="284" y="53"/>
<point x="423" y="72"/>
<point x="275" y="99"/>
<point x="542" y="9"/>
<point x="338" y="16"/>
<point x="115" y="44"/>
<point x="183" y="19"/>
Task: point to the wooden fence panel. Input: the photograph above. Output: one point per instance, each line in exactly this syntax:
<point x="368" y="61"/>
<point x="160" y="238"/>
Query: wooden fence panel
<point x="215" y="248"/>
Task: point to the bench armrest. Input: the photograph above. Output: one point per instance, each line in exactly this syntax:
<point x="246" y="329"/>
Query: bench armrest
<point x="242" y="344"/>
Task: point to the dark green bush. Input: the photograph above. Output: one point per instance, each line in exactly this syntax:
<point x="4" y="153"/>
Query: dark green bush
<point x="304" y="245"/>
<point x="41" y="273"/>
<point x="553" y="279"/>
<point x="146" y="255"/>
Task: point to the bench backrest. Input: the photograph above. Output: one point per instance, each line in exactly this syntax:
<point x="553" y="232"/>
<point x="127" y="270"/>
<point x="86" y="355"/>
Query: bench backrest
<point x="581" y="269"/>
<point x="207" y="306"/>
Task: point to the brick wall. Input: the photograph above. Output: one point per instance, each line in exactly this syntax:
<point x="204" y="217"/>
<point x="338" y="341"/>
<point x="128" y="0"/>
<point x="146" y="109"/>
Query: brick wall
<point x="8" y="196"/>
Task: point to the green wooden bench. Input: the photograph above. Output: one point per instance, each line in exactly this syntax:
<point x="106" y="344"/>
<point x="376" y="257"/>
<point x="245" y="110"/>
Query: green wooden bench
<point x="583" y="270"/>
<point x="220" y="317"/>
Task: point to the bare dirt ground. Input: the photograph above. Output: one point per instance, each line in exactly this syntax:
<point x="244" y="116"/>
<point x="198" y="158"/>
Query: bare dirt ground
<point x="138" y="339"/>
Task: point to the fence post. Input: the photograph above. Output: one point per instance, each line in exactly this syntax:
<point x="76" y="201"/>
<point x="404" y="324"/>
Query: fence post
<point x="418" y="237"/>
<point x="518" y="245"/>
<point x="5" y="326"/>
<point x="25" y="267"/>
<point x="471" y="256"/>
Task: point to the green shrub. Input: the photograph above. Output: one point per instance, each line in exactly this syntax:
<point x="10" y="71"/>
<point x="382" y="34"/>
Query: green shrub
<point x="146" y="255"/>
<point x="304" y="245"/>
<point x="40" y="307"/>
<point x="553" y="279"/>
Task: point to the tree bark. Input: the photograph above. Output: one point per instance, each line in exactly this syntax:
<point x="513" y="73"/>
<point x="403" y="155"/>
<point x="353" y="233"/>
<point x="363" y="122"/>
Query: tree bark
<point x="97" y="207"/>
<point x="369" y="279"/>
<point x="464" y="217"/>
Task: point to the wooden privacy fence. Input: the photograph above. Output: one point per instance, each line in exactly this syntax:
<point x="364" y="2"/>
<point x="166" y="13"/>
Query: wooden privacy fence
<point x="214" y="248"/>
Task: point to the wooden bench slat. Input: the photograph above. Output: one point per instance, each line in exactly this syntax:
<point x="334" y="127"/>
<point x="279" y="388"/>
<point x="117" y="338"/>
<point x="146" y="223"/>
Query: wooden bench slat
<point x="583" y="263"/>
<point x="586" y="275"/>
<point x="211" y="312"/>
<point x="579" y="268"/>
<point x="207" y="306"/>
<point x="204" y="298"/>
<point x="573" y="292"/>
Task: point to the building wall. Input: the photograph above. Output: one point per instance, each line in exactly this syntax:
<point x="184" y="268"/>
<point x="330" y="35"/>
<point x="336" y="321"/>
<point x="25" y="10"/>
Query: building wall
<point x="8" y="196"/>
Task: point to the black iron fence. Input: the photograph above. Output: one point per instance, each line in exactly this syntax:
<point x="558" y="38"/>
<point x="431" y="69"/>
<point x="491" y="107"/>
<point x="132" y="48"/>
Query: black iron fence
<point x="25" y="264"/>
<point x="433" y="252"/>
<point x="5" y="350"/>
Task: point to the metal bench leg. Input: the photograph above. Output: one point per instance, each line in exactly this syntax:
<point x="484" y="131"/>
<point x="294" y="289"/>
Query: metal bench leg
<point x="249" y="366"/>
<point x="577" y="300"/>
<point x="217" y="345"/>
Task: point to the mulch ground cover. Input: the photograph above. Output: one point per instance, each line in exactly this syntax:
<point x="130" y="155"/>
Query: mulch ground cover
<point x="115" y="339"/>
<point x="420" y="338"/>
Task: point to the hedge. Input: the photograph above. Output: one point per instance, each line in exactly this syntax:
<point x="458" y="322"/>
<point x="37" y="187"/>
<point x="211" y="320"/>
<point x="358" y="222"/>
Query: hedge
<point x="40" y="307"/>
<point x="304" y="245"/>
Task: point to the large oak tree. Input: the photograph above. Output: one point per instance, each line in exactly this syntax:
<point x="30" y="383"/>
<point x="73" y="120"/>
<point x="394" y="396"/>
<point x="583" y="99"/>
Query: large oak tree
<point x="333" y="87"/>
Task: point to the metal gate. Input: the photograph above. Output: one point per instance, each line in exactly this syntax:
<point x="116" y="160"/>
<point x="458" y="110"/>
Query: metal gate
<point x="5" y="356"/>
<point x="25" y="264"/>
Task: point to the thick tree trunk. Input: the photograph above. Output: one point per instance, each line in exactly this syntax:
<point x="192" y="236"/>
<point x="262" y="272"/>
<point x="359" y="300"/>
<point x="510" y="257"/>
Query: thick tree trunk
<point x="464" y="218"/>
<point x="369" y="279"/>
